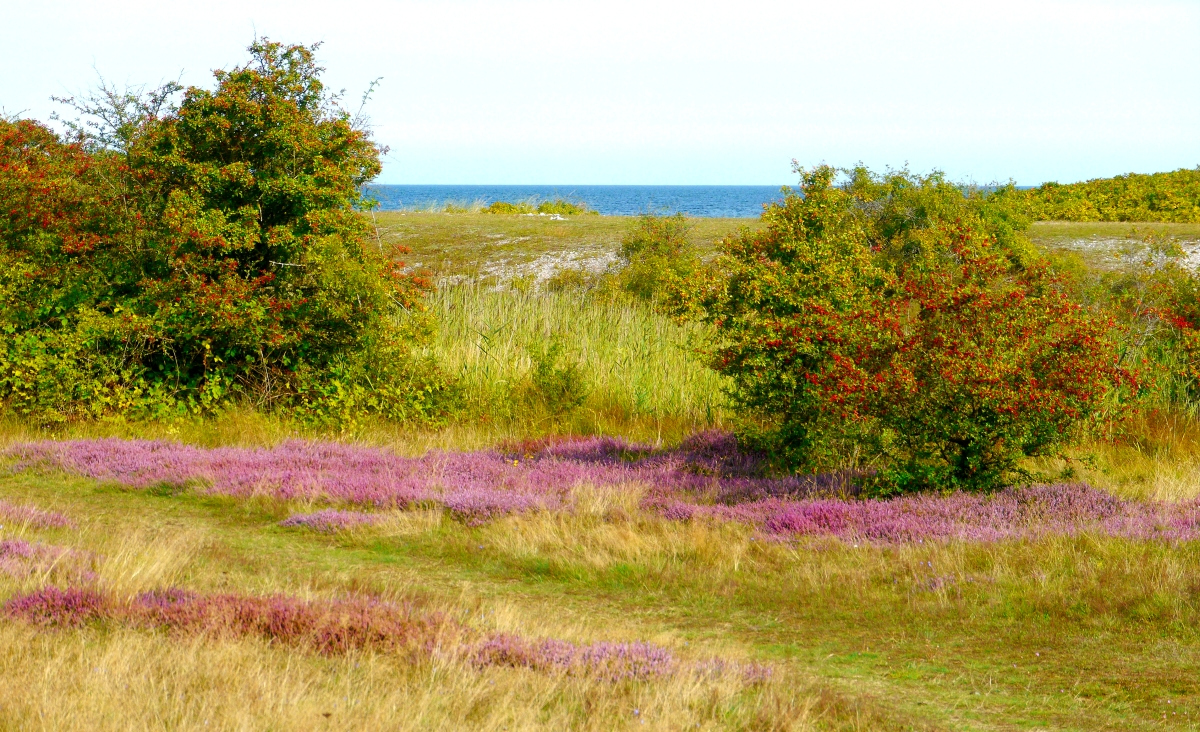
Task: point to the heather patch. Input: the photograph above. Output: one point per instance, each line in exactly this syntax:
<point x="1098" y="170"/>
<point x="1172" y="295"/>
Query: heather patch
<point x="329" y="520"/>
<point x="611" y="661"/>
<point x="20" y="558"/>
<point x="72" y="606"/>
<point x="342" y="626"/>
<point x="33" y="517"/>
<point x="474" y="486"/>
<point x="333" y="626"/>
<point x="1014" y="513"/>
<point x="614" y="662"/>
<point x="706" y="477"/>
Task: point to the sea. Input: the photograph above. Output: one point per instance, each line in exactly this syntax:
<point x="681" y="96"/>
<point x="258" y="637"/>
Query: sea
<point x="708" y="201"/>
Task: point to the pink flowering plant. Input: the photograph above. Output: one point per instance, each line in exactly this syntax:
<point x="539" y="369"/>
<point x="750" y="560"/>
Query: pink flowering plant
<point x="334" y="627"/>
<point x="705" y="478"/>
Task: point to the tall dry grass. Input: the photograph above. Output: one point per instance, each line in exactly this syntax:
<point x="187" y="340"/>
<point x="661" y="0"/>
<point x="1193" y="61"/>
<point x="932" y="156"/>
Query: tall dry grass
<point x="97" y="679"/>
<point x="107" y="676"/>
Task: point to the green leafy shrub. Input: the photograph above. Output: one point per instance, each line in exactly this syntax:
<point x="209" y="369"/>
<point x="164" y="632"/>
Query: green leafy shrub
<point x="888" y="318"/>
<point x="656" y="255"/>
<point x="1154" y="298"/>
<point x="173" y="257"/>
<point x="1163" y="197"/>
<point x="558" y="382"/>
<point x="563" y="207"/>
<point x="572" y="278"/>
<point x="558" y="206"/>
<point x="512" y="209"/>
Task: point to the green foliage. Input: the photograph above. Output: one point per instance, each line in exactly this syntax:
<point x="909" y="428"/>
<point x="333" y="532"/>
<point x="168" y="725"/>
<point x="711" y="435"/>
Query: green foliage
<point x="573" y="278"/>
<point x="891" y="318"/>
<point x="900" y="210"/>
<point x="1154" y="299"/>
<point x="563" y="207"/>
<point x="1163" y="197"/>
<point x="558" y="382"/>
<point x="559" y="206"/>
<point x="172" y="257"/>
<point x="504" y="207"/>
<point x="657" y="255"/>
<point x="637" y="364"/>
<point x="384" y="382"/>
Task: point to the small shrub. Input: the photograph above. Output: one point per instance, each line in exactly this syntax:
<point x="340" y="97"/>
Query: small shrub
<point x="657" y="254"/>
<point x="559" y="206"/>
<point x="558" y="382"/>
<point x="504" y="207"/>
<point x="563" y="207"/>
<point x="572" y="278"/>
<point x="523" y="284"/>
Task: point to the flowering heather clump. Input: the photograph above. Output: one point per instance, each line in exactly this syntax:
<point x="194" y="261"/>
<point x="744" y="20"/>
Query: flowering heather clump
<point x="54" y="606"/>
<point x="478" y="506"/>
<point x="16" y="557"/>
<point x="610" y="661"/>
<point x="1011" y="513"/>
<point x="334" y="626"/>
<point x="33" y="516"/>
<point x="19" y="558"/>
<point x="17" y="549"/>
<point x="330" y="520"/>
<point x="341" y="626"/>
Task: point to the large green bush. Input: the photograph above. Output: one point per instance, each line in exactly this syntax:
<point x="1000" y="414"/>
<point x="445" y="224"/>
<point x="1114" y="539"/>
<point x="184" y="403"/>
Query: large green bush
<point x="901" y="323"/>
<point x="171" y="257"/>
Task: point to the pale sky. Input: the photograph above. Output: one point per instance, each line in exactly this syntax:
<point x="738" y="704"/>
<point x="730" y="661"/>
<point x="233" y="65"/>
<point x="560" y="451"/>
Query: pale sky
<point x="652" y="92"/>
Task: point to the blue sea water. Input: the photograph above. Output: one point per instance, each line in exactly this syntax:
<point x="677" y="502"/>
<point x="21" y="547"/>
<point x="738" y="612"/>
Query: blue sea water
<point x="718" y="201"/>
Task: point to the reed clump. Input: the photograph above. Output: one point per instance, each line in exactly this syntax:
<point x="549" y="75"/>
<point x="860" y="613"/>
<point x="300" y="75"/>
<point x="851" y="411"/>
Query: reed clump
<point x="637" y="363"/>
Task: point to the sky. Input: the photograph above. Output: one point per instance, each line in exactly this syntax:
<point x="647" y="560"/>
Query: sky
<point x="717" y="93"/>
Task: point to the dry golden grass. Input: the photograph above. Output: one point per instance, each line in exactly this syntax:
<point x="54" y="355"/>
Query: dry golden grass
<point x="602" y="540"/>
<point x="119" y="680"/>
<point x="1156" y="456"/>
<point x="110" y="677"/>
<point x="719" y="553"/>
<point x="857" y="635"/>
<point x="247" y="428"/>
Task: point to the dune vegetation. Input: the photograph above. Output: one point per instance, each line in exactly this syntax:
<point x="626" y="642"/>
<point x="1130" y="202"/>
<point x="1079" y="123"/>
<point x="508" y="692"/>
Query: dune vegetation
<point x="896" y="454"/>
<point x="1172" y="197"/>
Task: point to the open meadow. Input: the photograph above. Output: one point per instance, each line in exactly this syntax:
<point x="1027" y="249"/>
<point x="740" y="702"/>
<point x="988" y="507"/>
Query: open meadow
<point x="898" y="454"/>
<point x="498" y="573"/>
